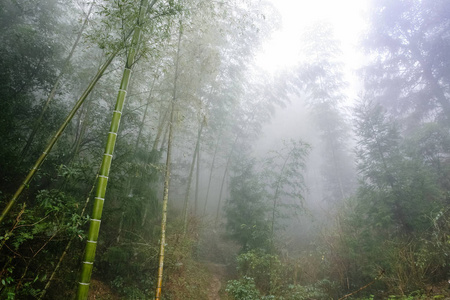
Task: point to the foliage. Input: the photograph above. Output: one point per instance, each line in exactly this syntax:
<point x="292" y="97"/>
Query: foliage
<point x="35" y="240"/>
<point x="399" y="183"/>
<point x="409" y="74"/>
<point x="243" y="288"/>
<point x="284" y="182"/>
<point x="30" y="57"/>
<point x="322" y="80"/>
<point x="392" y="230"/>
<point x="185" y="277"/>
<point x="246" y="210"/>
<point x="298" y="292"/>
<point x="264" y="268"/>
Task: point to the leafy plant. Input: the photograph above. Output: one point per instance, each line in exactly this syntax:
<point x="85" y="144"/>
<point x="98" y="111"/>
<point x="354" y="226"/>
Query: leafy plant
<point x="299" y="292"/>
<point x="264" y="268"/>
<point x="243" y="289"/>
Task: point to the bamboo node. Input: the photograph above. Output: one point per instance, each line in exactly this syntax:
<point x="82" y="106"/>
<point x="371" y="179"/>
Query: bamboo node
<point x="94" y="242"/>
<point x="96" y="220"/>
<point x="122" y="90"/>
<point x="88" y="262"/>
<point x="117" y="111"/>
<point x="103" y="176"/>
<point x="84" y="283"/>
<point x="99" y="198"/>
<point x="112" y="132"/>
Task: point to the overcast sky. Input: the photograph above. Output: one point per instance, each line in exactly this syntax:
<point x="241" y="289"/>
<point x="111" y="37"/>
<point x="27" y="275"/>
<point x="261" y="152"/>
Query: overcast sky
<point x="346" y="16"/>
<point x="282" y="50"/>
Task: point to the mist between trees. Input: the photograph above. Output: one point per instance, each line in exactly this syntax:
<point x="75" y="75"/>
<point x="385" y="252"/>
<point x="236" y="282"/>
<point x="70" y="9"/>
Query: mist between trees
<point x="146" y="155"/>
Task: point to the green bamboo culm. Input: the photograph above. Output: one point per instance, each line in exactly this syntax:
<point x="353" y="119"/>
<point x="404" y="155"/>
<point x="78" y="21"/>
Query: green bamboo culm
<point x="102" y="181"/>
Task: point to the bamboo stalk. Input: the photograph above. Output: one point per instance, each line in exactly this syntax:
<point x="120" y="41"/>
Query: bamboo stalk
<point x="164" y="211"/>
<point x="141" y="126"/>
<point x="82" y="130"/>
<point x="197" y="179"/>
<point x="161" y="127"/>
<point x="94" y="228"/>
<point x="223" y="179"/>
<point x="191" y="171"/>
<point x="165" y="135"/>
<point x="211" y="175"/>
<point x="167" y="175"/>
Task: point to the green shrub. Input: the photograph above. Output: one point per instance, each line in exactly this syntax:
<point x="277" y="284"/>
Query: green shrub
<point x="243" y="289"/>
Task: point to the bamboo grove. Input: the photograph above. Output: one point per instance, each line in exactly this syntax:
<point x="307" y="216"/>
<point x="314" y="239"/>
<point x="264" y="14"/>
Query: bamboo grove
<point x="147" y="154"/>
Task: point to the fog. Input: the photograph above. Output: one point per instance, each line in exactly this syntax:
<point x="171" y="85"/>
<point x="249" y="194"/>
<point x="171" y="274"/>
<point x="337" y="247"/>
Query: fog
<point x="224" y="149"/>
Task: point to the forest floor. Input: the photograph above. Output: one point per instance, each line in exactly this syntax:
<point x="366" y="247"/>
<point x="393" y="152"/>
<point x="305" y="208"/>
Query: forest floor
<point x="214" y="255"/>
<point x="101" y="291"/>
<point x="218" y="255"/>
<point x="218" y="275"/>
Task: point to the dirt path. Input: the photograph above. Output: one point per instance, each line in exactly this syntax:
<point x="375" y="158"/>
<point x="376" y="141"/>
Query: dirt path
<point x="217" y="272"/>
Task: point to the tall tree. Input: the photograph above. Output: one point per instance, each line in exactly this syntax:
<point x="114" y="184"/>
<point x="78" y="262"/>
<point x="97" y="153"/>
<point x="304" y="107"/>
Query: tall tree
<point x="397" y="181"/>
<point x="284" y="180"/>
<point x="189" y="181"/>
<point x="167" y="170"/>
<point x="99" y="199"/>
<point x="409" y="73"/>
<point x="246" y="211"/>
<point x="30" y="58"/>
<point x="322" y="78"/>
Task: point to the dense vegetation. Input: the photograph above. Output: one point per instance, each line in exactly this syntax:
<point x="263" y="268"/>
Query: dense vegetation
<point x="353" y="205"/>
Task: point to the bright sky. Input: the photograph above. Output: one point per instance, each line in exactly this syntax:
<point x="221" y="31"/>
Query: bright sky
<point x="346" y="16"/>
<point x="283" y="50"/>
